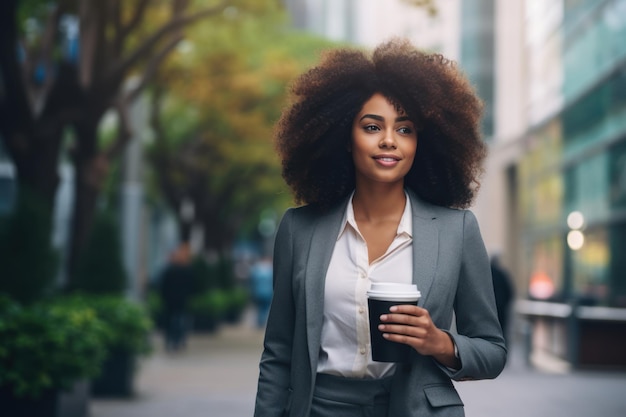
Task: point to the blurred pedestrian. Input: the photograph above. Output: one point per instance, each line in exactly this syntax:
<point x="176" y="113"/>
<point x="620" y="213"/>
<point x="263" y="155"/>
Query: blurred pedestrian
<point x="261" y="280"/>
<point x="504" y="293"/>
<point x="176" y="288"/>
<point x="384" y="151"/>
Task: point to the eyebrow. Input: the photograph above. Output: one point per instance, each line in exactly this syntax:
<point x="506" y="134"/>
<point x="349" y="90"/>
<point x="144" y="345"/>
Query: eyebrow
<point x="382" y="119"/>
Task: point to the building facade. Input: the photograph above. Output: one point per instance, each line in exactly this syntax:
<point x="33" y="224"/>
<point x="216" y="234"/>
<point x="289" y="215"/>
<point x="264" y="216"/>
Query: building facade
<point x="574" y="161"/>
<point x="555" y="187"/>
<point x="369" y="22"/>
<point x="552" y="75"/>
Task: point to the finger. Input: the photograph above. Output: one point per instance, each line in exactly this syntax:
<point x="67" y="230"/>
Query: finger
<point x="407" y="319"/>
<point x="408" y="309"/>
<point x="397" y="329"/>
<point x="415" y="342"/>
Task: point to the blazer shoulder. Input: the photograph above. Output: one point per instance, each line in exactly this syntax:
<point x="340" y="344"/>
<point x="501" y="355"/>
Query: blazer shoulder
<point x="312" y="213"/>
<point x="305" y="213"/>
<point x="425" y="209"/>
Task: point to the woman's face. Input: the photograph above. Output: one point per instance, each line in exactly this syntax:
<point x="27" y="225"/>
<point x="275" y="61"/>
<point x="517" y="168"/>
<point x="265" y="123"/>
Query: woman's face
<point x="383" y="142"/>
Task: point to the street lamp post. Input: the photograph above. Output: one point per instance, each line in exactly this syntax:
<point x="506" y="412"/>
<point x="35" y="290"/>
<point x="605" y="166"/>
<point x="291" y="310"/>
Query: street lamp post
<point x="575" y="241"/>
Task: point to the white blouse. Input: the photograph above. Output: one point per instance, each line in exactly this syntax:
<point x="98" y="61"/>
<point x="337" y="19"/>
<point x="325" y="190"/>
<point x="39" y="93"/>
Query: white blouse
<point x="345" y="343"/>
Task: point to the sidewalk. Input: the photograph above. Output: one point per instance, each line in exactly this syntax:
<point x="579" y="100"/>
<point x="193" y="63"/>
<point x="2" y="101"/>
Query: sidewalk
<point x="216" y="377"/>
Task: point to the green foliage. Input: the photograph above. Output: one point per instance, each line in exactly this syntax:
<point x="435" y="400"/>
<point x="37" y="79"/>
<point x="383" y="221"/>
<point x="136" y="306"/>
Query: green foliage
<point x="213" y="304"/>
<point x="238" y="299"/>
<point x="430" y="6"/>
<point x="28" y="263"/>
<point x="100" y="269"/>
<point x="219" y="304"/>
<point x="128" y="323"/>
<point x="224" y="92"/>
<point x="154" y="305"/>
<point x="48" y="345"/>
<point x="33" y="11"/>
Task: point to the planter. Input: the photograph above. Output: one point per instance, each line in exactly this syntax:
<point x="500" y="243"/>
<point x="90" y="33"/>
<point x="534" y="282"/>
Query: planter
<point x="46" y="405"/>
<point x="75" y="402"/>
<point x="117" y="376"/>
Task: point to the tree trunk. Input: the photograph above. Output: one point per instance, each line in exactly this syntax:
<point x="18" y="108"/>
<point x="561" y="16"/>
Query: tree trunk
<point x="90" y="168"/>
<point x="218" y="235"/>
<point x="37" y="165"/>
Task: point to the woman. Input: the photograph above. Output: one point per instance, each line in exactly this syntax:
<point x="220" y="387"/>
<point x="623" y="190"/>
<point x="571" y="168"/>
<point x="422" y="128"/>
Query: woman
<point x="385" y="152"/>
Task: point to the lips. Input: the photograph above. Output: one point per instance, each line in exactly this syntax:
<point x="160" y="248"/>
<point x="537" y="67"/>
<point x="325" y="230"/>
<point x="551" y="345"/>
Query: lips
<point x="387" y="160"/>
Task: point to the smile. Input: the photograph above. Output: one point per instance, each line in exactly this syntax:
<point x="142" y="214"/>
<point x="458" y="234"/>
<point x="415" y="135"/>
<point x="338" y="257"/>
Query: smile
<point x="386" y="161"/>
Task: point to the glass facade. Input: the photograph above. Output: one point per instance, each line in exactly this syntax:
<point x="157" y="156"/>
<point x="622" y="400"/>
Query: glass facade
<point x="576" y="153"/>
<point x="477" y="54"/>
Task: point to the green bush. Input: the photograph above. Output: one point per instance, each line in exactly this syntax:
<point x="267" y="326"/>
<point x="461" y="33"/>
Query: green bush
<point x="48" y="345"/>
<point x="237" y="301"/>
<point x="212" y="304"/>
<point x="154" y="305"/>
<point x="100" y="268"/>
<point x="28" y="262"/>
<point x="128" y="323"/>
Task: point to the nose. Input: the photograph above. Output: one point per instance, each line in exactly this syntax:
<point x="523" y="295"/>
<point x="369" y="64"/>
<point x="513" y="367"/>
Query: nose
<point x="388" y="141"/>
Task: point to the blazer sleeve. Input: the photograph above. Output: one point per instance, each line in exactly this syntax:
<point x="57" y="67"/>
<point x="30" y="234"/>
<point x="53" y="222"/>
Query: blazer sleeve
<point x="273" y="389"/>
<point x="478" y="336"/>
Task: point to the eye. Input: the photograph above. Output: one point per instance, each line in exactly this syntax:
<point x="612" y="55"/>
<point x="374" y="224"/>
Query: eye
<point x="371" y="128"/>
<point x="405" y="130"/>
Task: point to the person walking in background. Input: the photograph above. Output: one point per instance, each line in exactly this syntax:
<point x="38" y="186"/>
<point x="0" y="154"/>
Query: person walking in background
<point x="504" y="293"/>
<point x="261" y="281"/>
<point x="176" y="287"/>
<point x="384" y="152"/>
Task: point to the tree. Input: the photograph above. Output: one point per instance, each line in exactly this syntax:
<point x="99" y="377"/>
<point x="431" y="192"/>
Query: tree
<point x="429" y="5"/>
<point x="48" y="88"/>
<point x="214" y="109"/>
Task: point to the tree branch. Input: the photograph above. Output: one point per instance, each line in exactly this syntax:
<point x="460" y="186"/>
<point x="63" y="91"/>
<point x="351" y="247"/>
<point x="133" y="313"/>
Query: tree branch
<point x="152" y="66"/>
<point x="134" y="21"/>
<point x="155" y="113"/>
<point x="117" y="27"/>
<point x="124" y="133"/>
<point x="124" y="65"/>
<point x="50" y="35"/>
<point x="88" y="41"/>
<point x="39" y="93"/>
<point x="15" y="110"/>
<point x="429" y="5"/>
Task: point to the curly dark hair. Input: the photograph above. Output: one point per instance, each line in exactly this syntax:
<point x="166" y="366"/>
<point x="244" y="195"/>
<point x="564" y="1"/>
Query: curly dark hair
<point x="314" y="133"/>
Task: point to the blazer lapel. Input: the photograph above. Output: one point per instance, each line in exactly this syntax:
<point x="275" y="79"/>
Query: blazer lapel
<point x="323" y="241"/>
<point x="425" y="246"/>
<point x="326" y="229"/>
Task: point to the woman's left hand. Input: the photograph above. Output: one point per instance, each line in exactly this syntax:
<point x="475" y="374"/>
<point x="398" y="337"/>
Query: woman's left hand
<point x="413" y="326"/>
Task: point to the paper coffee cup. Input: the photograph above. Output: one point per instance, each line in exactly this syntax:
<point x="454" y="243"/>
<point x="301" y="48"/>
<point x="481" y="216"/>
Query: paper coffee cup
<point x="381" y="296"/>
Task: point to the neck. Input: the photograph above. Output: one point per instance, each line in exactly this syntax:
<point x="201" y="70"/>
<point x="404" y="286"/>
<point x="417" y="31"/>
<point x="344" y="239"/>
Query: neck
<point x="379" y="203"/>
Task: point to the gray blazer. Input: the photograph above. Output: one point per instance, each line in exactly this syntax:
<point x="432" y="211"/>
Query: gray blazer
<point x="450" y="268"/>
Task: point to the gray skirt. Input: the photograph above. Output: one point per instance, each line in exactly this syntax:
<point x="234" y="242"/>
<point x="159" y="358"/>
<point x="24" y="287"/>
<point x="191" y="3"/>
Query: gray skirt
<point x="350" y="397"/>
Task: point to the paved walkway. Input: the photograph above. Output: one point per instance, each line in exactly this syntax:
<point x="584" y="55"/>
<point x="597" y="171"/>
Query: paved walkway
<point x="216" y="377"/>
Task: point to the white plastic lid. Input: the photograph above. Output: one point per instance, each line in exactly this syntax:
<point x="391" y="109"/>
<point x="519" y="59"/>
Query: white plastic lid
<point x="392" y="291"/>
